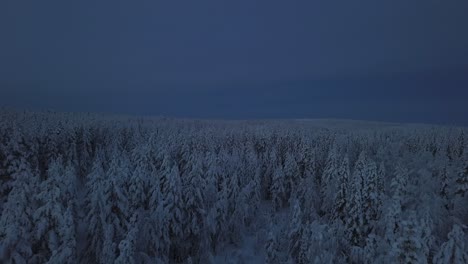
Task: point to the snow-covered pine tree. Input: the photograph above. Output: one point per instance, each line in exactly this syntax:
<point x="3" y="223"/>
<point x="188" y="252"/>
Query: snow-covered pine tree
<point x="85" y="150"/>
<point x="371" y="249"/>
<point x="212" y="177"/>
<point x="154" y="231"/>
<point x="54" y="227"/>
<point x="393" y="219"/>
<point x="453" y="251"/>
<point x="108" y="254"/>
<point x="194" y="207"/>
<point x="292" y="176"/>
<point x="317" y="244"/>
<point x="236" y="209"/>
<point x="173" y="207"/>
<point x="409" y="246"/>
<point x="462" y="147"/>
<point x="372" y="198"/>
<point x="218" y="217"/>
<point x="118" y="176"/>
<point x="66" y="252"/>
<point x="295" y="232"/>
<point x="271" y="248"/>
<point x="250" y="199"/>
<point x="329" y="180"/>
<point x="15" y="161"/>
<point x="445" y="185"/>
<point x="356" y="223"/>
<point x="137" y="194"/>
<point x="394" y="212"/>
<point x="277" y="188"/>
<point x="399" y="183"/>
<point x="308" y="194"/>
<point x="271" y="164"/>
<point x="462" y="182"/>
<point x="16" y="220"/>
<point x="341" y="198"/>
<point x="127" y="247"/>
<point x="381" y="176"/>
<point x="99" y="208"/>
<point x="70" y="181"/>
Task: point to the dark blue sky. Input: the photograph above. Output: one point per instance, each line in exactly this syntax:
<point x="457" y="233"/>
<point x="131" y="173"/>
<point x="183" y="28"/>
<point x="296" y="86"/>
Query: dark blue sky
<point x="393" y="60"/>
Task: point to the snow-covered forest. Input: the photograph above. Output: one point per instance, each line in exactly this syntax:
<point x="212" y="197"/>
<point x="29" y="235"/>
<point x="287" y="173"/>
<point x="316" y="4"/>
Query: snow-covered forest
<point x="85" y="188"/>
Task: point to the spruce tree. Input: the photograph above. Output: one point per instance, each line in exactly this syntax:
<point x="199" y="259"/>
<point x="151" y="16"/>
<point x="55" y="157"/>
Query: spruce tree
<point x="277" y="188"/>
<point x="462" y="182"/>
<point x="409" y="246"/>
<point x="453" y="251"/>
<point x="16" y="220"/>
<point x="295" y="232"/>
<point x="342" y="196"/>
<point x="329" y="180"/>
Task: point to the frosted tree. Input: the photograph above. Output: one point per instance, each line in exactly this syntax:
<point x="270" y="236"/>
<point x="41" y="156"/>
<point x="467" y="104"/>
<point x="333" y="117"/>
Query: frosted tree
<point x="137" y="187"/>
<point x="409" y="246"/>
<point x="309" y="197"/>
<point x="462" y="147"/>
<point x="393" y="218"/>
<point x="118" y="177"/>
<point x="66" y="252"/>
<point x="143" y="171"/>
<point x="356" y="222"/>
<point x="212" y="176"/>
<point x="370" y="250"/>
<point x="399" y="183"/>
<point x="328" y="186"/>
<point x="54" y="227"/>
<point x="270" y="166"/>
<point x="69" y="193"/>
<point x="291" y="173"/>
<point x="85" y="150"/>
<point x="315" y="245"/>
<point x="194" y="207"/>
<point x="271" y="248"/>
<point x="236" y="209"/>
<point x="341" y="198"/>
<point x="295" y="232"/>
<point x="372" y="198"/>
<point x="367" y="174"/>
<point x="108" y="207"/>
<point x="155" y="231"/>
<point x="394" y="211"/>
<point x="453" y="251"/>
<point x="127" y="247"/>
<point x="249" y="199"/>
<point x="218" y="217"/>
<point x="15" y="161"/>
<point x="173" y="207"/>
<point x="16" y="220"/>
<point x="462" y="182"/>
<point x="445" y="185"/>
<point x="71" y="153"/>
<point x="251" y="162"/>
<point x="108" y="253"/>
<point x="99" y="207"/>
<point x="277" y="188"/>
<point x="381" y="174"/>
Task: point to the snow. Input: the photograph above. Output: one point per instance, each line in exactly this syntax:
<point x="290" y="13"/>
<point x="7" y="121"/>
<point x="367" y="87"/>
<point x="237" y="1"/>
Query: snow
<point x="101" y="189"/>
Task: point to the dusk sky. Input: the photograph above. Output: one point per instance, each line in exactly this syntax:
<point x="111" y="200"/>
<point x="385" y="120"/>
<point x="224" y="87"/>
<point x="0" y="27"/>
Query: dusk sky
<point x="399" y="60"/>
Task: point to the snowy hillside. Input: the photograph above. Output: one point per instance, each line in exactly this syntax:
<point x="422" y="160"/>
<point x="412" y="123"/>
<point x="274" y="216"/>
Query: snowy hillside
<point x="85" y="188"/>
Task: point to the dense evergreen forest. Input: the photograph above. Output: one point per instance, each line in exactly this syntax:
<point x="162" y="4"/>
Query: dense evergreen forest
<point x="86" y="188"/>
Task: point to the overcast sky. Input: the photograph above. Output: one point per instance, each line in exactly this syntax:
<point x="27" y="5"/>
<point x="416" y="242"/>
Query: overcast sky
<point x="399" y="60"/>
